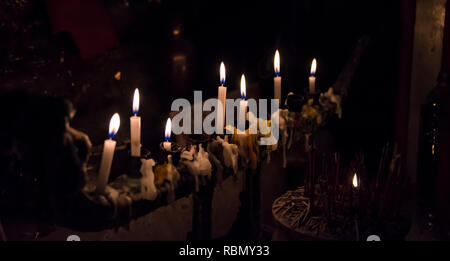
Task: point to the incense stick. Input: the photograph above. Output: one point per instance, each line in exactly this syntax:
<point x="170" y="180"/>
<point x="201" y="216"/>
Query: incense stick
<point x="2" y="233"/>
<point x="356" y="229"/>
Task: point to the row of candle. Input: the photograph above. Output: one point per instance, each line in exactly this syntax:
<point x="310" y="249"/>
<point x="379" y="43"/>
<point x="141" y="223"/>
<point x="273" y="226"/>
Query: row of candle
<point x="135" y="120"/>
<point x="110" y="145"/>
<point x="222" y="89"/>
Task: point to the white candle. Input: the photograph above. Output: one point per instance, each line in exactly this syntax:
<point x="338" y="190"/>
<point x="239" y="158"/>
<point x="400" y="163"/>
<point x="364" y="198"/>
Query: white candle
<point x="222" y="98"/>
<point x="167" y="145"/>
<point x="135" y="127"/>
<point x="108" y="153"/>
<point x="242" y="106"/>
<point x="277" y="79"/>
<point x="312" y="78"/>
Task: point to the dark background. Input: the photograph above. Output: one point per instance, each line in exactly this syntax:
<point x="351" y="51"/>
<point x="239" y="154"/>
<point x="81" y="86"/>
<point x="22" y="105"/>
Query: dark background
<point x="243" y="34"/>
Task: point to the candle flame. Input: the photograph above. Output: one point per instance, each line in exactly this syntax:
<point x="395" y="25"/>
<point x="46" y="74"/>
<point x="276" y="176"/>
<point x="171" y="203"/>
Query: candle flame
<point x="243" y="87"/>
<point x="355" y="181"/>
<point x="276" y="63"/>
<point x="313" y="67"/>
<point x="168" y="129"/>
<point x="136" y="102"/>
<point x="114" y="125"/>
<point x="222" y="73"/>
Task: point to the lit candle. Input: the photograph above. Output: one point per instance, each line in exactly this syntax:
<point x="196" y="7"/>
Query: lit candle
<point x="242" y="106"/>
<point x="355" y="192"/>
<point x="108" y="153"/>
<point x="355" y="181"/>
<point x="277" y="79"/>
<point x="135" y="127"/>
<point x="167" y="144"/>
<point x="312" y="78"/>
<point x="222" y="97"/>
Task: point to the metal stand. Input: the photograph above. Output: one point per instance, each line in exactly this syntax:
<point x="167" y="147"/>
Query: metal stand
<point x="2" y="233"/>
<point x="253" y="194"/>
<point x="248" y="223"/>
<point x="202" y="215"/>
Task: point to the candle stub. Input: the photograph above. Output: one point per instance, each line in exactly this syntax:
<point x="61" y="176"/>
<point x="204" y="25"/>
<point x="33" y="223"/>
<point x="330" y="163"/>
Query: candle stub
<point x="167" y="146"/>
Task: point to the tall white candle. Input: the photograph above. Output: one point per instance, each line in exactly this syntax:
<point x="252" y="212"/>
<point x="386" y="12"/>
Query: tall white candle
<point x="222" y="98"/>
<point x="312" y="78"/>
<point x="167" y="145"/>
<point x="108" y="153"/>
<point x="135" y="127"/>
<point x="277" y="79"/>
<point x="242" y="106"/>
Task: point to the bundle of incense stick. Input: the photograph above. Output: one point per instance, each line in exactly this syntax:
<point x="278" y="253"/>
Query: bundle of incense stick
<point x="2" y="232"/>
<point x="390" y="183"/>
<point x="329" y="180"/>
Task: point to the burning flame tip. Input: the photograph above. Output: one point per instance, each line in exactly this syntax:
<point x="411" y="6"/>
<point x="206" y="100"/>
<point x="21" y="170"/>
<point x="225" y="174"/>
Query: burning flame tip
<point x="313" y="66"/>
<point x="114" y="125"/>
<point x="136" y="101"/>
<point x="355" y="181"/>
<point x="243" y="87"/>
<point x="168" y="129"/>
<point x="222" y="73"/>
<point x="276" y="62"/>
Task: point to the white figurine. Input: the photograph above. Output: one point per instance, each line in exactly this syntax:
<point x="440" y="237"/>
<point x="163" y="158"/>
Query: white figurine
<point x="173" y="176"/>
<point x="230" y="154"/>
<point x="148" y="188"/>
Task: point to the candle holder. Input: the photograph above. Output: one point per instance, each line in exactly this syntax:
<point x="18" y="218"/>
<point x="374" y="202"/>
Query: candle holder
<point x="134" y="175"/>
<point x="315" y="96"/>
<point x="294" y="102"/>
<point x="197" y="139"/>
<point x="175" y="151"/>
<point x="214" y="136"/>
